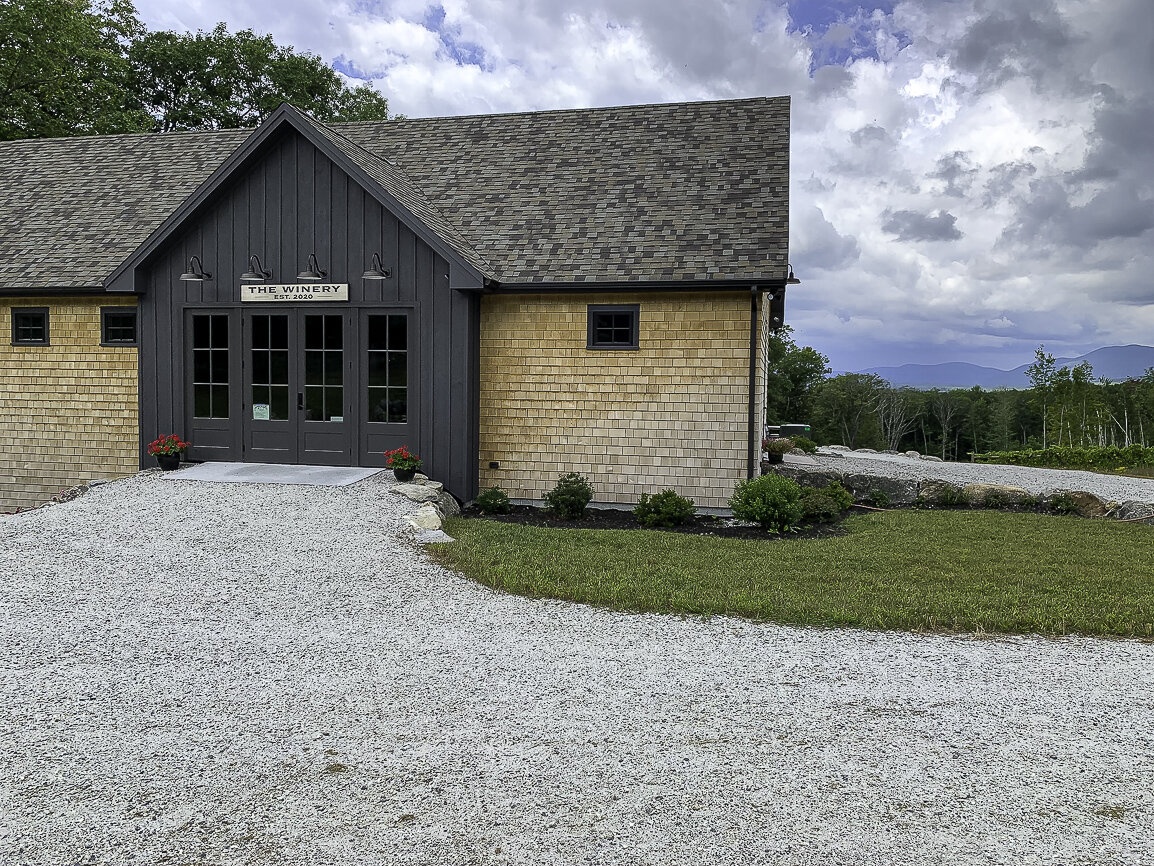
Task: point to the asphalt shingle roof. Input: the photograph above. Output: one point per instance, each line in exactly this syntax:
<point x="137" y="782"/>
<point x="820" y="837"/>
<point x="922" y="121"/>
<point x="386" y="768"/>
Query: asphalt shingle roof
<point x="687" y="191"/>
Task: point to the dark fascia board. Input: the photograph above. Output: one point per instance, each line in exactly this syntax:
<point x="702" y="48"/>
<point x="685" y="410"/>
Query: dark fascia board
<point x="495" y="288"/>
<point x="273" y="125"/>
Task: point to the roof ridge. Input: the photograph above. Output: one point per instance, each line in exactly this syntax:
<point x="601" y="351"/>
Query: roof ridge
<point x="556" y="111"/>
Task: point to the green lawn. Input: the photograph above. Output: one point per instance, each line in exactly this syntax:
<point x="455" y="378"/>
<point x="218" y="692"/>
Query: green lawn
<point x="923" y="570"/>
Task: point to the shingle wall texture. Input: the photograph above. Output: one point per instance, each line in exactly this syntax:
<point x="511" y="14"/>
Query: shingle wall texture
<point x="68" y="410"/>
<point x="671" y="414"/>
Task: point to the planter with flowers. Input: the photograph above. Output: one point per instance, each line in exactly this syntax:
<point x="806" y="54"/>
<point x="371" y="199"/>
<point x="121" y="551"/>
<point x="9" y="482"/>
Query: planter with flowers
<point x="167" y="451"/>
<point x="403" y="463"/>
<point x="776" y="448"/>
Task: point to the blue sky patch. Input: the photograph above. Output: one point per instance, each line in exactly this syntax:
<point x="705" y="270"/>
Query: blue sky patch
<point x="840" y="31"/>
<point x="462" y="53"/>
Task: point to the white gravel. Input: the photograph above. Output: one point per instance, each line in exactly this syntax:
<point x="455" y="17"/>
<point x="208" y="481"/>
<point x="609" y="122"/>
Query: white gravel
<point x="1114" y="488"/>
<point x="197" y="673"/>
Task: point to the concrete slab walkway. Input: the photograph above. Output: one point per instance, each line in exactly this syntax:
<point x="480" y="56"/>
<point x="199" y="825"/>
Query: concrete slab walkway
<point x="273" y="473"/>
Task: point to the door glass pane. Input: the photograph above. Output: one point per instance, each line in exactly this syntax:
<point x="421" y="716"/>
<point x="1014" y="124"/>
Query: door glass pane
<point x="202" y="401"/>
<point x="333" y="368"/>
<point x="334" y="402"/>
<point x="333" y="332"/>
<point x="398" y="375"/>
<point x="387" y="364"/>
<point x="314" y="403"/>
<point x="398" y="333"/>
<point x="378" y="404"/>
<point x="314" y="368"/>
<point x="278" y="333"/>
<point x="210" y="361"/>
<point x="398" y="405"/>
<point x="378" y="368"/>
<point x="278" y="403"/>
<point x="314" y="333"/>
<point x="219" y="332"/>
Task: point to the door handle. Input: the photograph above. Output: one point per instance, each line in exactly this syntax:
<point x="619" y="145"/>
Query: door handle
<point x="300" y="400"/>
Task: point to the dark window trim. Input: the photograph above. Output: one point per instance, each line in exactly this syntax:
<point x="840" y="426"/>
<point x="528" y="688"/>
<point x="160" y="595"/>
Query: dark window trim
<point x="634" y="328"/>
<point x="42" y="311"/>
<point x="104" y="341"/>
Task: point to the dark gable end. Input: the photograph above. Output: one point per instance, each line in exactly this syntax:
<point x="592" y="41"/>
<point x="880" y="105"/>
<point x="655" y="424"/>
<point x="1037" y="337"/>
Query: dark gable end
<point x="383" y="182"/>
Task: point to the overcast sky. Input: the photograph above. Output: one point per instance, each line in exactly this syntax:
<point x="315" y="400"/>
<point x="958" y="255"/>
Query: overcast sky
<point x="970" y="178"/>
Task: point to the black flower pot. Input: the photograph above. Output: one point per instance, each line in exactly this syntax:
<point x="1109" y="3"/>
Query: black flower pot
<point x="404" y="476"/>
<point x="168" y="462"/>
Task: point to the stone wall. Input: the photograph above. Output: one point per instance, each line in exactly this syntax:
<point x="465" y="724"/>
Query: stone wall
<point x="68" y="410"/>
<point x="671" y="414"/>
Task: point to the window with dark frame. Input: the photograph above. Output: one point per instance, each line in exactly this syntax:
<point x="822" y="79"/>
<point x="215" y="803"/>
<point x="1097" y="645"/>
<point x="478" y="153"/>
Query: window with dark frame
<point x="29" y="326"/>
<point x="613" y="326"/>
<point x="117" y="326"/>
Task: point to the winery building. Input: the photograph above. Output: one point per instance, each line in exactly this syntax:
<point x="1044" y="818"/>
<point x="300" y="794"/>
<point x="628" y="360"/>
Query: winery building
<point x="510" y="296"/>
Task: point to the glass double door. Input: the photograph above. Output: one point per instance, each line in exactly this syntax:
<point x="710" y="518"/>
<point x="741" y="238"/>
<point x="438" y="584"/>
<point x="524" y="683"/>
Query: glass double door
<point x="298" y="378"/>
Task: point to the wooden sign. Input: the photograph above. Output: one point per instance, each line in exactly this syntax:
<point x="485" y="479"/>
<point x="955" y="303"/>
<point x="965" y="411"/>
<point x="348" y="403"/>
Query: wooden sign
<point x="295" y="292"/>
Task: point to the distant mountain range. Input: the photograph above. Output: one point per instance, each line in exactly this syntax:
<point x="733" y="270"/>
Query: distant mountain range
<point x="1111" y="362"/>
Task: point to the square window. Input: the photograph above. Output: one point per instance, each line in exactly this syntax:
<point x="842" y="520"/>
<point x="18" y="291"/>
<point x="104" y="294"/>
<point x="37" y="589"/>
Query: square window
<point x="29" y="326"/>
<point x="117" y="326"/>
<point x="613" y="326"/>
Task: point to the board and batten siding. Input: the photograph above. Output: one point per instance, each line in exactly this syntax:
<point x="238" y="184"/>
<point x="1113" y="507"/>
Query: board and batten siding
<point x="288" y="201"/>
<point x="68" y="410"/>
<point x="672" y="414"/>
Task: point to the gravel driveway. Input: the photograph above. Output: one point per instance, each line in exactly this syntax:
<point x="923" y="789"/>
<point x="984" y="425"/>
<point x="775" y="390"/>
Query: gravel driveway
<point x="197" y="673"/>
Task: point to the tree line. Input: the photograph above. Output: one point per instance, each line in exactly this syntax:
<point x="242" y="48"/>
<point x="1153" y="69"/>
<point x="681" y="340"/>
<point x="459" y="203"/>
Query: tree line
<point x="1061" y="407"/>
<point x="90" y="67"/>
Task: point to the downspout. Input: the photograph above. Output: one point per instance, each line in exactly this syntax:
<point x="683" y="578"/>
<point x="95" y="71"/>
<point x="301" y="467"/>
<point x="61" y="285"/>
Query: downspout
<point x="754" y="432"/>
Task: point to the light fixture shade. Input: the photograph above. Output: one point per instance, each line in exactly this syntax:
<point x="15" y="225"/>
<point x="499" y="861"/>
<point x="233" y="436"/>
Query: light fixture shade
<point x="312" y="270"/>
<point x="196" y="271"/>
<point x="256" y="271"/>
<point x="377" y="270"/>
<point x="791" y="280"/>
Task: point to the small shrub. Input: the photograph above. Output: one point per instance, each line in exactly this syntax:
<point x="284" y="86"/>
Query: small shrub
<point x="771" y="501"/>
<point x="1063" y="503"/>
<point x="806" y="445"/>
<point x="818" y="507"/>
<point x="836" y="491"/>
<point x="1030" y="503"/>
<point x="492" y="501"/>
<point x="878" y="498"/>
<point x="995" y="499"/>
<point x="664" y="509"/>
<point x="568" y="499"/>
<point x="952" y="497"/>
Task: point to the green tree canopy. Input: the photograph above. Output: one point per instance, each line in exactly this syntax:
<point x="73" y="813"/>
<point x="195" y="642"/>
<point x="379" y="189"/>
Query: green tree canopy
<point x="792" y="373"/>
<point x="64" y="68"/>
<point x="222" y="80"/>
<point x="84" y="67"/>
<point x="845" y="402"/>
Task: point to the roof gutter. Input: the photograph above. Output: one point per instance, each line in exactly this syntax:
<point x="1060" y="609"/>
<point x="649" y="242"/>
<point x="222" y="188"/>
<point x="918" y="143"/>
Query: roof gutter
<point x="594" y="286"/>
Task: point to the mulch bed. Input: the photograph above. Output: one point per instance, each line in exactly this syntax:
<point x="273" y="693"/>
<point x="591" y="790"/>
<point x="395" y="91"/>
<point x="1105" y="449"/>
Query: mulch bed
<point x="612" y="518"/>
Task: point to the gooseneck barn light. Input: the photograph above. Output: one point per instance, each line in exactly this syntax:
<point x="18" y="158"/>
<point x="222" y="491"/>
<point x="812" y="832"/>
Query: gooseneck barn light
<point x="377" y="270"/>
<point x="196" y="271"/>
<point x="312" y="270"/>
<point x="256" y="271"/>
